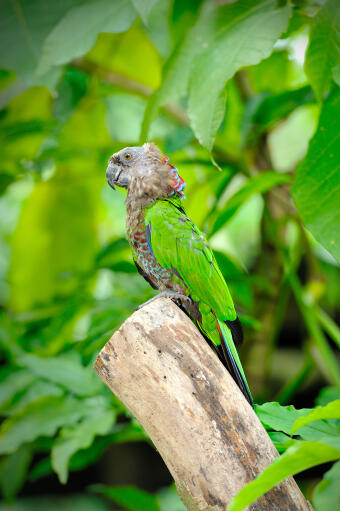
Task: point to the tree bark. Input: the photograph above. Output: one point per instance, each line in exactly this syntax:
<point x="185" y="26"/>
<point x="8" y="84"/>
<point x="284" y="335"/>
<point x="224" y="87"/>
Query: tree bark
<point x="166" y="374"/>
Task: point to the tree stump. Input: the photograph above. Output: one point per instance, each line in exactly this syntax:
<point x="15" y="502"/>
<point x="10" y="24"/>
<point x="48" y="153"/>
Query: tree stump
<point x="159" y="365"/>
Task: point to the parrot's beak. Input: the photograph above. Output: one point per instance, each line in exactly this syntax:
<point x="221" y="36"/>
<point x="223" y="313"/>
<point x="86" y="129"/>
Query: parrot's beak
<point x="112" y="174"/>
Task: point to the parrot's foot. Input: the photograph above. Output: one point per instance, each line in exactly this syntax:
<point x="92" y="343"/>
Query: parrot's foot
<point x="176" y="297"/>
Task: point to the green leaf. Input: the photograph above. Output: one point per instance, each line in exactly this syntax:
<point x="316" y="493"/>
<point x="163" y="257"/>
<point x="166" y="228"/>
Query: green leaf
<point x="273" y="108"/>
<point x="257" y="184"/>
<point x="71" y="502"/>
<point x="213" y="122"/>
<point x="176" y="70"/>
<point x="63" y="370"/>
<point x="129" y="498"/>
<point x="281" y="418"/>
<point x="36" y="390"/>
<point x="300" y="456"/>
<point x="13" y="470"/>
<point x="128" y="432"/>
<point x="317" y="182"/>
<point x="23" y="28"/>
<point x="65" y="43"/>
<point x="327" y="493"/>
<point x="43" y="418"/>
<point x="323" y="53"/>
<point x="330" y="411"/>
<point x="81" y="436"/>
<point x="70" y="91"/>
<point x="281" y="440"/>
<point x="237" y="43"/>
<point x="15" y="382"/>
<point x="327" y="394"/>
<point x="169" y="500"/>
<point x="143" y="7"/>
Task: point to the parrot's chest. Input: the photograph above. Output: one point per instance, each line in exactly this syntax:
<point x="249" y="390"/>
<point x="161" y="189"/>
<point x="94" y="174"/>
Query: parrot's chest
<point x="136" y="234"/>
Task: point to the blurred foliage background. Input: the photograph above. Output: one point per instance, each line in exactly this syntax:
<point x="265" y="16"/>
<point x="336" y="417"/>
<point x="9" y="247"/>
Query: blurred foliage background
<point x="252" y="86"/>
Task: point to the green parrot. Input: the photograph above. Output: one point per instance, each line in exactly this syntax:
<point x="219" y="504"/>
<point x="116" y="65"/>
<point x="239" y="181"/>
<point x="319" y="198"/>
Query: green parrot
<point x="171" y="253"/>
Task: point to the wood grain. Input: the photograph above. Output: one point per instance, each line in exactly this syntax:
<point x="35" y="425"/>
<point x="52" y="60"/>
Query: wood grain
<point x="162" y="369"/>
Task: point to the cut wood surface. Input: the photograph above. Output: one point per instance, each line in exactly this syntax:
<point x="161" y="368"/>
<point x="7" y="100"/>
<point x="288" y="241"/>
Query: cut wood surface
<point x="212" y="442"/>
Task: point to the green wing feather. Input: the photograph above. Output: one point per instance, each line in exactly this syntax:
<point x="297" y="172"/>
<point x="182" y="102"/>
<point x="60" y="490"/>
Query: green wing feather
<point x="178" y="243"/>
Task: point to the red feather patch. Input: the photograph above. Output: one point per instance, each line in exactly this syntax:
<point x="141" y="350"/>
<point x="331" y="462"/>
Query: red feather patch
<point x="177" y="183"/>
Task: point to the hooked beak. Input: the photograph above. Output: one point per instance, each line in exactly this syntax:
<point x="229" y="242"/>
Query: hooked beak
<point x="112" y="175"/>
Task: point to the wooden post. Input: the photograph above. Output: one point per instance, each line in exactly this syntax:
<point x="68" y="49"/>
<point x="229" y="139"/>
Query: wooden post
<point x="162" y="369"/>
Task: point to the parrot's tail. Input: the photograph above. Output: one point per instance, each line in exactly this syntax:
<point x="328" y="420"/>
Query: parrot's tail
<point x="232" y="360"/>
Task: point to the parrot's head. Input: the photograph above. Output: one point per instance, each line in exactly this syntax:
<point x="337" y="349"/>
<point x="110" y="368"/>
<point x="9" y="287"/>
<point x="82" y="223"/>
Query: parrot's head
<point x="145" y="172"/>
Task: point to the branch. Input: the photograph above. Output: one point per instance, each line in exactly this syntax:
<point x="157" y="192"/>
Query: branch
<point x="131" y="85"/>
<point x="162" y="369"/>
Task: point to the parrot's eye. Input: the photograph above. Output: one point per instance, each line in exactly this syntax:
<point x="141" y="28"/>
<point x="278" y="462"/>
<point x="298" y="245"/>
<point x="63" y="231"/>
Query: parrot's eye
<point x="127" y="156"/>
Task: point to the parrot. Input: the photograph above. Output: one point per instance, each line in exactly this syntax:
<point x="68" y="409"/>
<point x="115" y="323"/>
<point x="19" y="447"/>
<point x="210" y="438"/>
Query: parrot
<point x="172" y="254"/>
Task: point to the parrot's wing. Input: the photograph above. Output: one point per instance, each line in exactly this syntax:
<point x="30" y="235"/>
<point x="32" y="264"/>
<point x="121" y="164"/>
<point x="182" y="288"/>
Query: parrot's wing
<point x="178" y="244"/>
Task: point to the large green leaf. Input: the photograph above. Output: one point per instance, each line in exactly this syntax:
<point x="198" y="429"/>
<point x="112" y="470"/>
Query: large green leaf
<point x="323" y="53"/>
<point x="65" y="371"/>
<point x="238" y="42"/>
<point x="282" y="418"/>
<point x="300" y="456"/>
<point x="317" y="182"/>
<point x="176" y="69"/>
<point x="257" y="184"/>
<point x="327" y="493"/>
<point x="23" y="28"/>
<point x="65" y="43"/>
<point x="81" y="436"/>
<point x="129" y="498"/>
<point x="61" y="221"/>
<point x="330" y="411"/>
<point x="43" y="418"/>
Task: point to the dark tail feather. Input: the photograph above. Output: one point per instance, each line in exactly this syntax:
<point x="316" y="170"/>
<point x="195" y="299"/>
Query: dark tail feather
<point x="236" y="331"/>
<point x="230" y="363"/>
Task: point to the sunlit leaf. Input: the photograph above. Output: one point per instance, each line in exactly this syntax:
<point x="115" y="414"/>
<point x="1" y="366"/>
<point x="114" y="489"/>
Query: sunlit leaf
<point x="298" y="457"/>
<point x="330" y="411"/>
<point x="237" y="43"/>
<point x="281" y="418"/>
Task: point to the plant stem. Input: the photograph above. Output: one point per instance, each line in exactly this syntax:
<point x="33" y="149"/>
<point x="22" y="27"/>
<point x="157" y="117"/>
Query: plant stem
<point x="329" y="325"/>
<point x="327" y="362"/>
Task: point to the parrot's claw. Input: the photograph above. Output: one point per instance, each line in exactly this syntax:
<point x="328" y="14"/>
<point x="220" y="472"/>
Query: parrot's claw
<point x="176" y="297"/>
